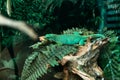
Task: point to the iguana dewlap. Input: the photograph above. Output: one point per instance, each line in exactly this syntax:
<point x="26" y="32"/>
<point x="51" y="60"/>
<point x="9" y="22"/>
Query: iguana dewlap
<point x="70" y="39"/>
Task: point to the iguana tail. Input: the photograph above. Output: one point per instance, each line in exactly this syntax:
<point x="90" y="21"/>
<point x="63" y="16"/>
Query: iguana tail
<point x="97" y="36"/>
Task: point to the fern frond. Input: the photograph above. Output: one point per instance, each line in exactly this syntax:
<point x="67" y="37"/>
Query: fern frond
<point x="110" y="59"/>
<point x="28" y="62"/>
<point x="112" y="70"/>
<point x="116" y="63"/>
<point x="37" y="66"/>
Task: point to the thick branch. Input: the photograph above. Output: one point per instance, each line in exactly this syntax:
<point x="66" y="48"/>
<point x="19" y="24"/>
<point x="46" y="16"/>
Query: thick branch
<point x="19" y="25"/>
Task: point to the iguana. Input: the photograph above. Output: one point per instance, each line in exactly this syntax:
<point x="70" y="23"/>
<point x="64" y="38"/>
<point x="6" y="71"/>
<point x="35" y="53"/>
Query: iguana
<point x="71" y="39"/>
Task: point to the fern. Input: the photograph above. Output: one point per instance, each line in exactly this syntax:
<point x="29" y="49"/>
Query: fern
<point x="109" y="61"/>
<point x="115" y="63"/>
<point x="112" y="69"/>
<point x="36" y="64"/>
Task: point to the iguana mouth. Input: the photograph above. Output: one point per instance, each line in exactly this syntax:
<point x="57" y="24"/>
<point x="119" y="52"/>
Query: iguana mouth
<point x="41" y="38"/>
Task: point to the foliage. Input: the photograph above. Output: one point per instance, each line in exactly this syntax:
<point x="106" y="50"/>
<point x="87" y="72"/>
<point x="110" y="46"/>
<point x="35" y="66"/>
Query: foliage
<point x="51" y="53"/>
<point x="37" y="63"/>
<point x="109" y="56"/>
<point x="112" y="69"/>
<point x="33" y="14"/>
<point x="56" y="14"/>
<point x="47" y="54"/>
<point x="53" y="16"/>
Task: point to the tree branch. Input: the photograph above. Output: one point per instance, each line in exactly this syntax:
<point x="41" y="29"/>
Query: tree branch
<point x="19" y="25"/>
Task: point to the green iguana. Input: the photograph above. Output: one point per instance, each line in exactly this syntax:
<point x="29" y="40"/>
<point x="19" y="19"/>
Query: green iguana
<point x="71" y="39"/>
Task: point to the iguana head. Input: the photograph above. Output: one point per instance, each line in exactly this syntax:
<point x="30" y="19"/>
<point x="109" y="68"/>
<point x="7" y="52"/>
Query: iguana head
<point x="50" y="36"/>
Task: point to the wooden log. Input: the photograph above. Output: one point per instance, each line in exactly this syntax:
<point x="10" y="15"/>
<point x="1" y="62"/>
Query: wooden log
<point x="84" y="62"/>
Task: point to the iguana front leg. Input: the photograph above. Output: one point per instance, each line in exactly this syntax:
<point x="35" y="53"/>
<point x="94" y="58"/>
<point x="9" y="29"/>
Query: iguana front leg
<point x="82" y="42"/>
